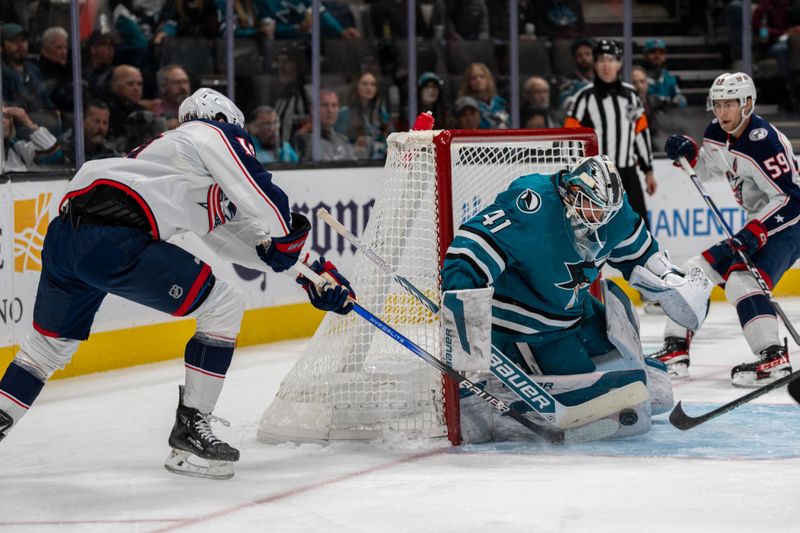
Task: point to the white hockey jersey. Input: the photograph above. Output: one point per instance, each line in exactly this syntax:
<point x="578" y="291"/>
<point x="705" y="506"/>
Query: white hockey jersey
<point x="202" y="177"/>
<point x="760" y="168"/>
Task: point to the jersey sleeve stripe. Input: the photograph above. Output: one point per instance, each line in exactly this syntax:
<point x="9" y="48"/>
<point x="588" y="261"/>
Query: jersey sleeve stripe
<point x="535" y="316"/>
<point x="506" y="300"/>
<point x="487" y="245"/>
<point x="635" y="235"/>
<point x="249" y="178"/>
<point x="465" y="254"/>
<point x="512" y="327"/>
<point x="635" y="255"/>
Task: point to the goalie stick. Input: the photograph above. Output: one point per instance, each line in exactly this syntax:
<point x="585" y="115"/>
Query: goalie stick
<point x="678" y="416"/>
<point x="592" y="431"/>
<point x="530" y="392"/>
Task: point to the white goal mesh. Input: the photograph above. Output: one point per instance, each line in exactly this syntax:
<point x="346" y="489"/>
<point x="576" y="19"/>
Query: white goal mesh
<point x="353" y="382"/>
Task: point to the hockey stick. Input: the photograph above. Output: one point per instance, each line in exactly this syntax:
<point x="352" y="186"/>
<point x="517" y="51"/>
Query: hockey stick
<point x="794" y="390"/>
<point x="678" y="417"/>
<point x="533" y="394"/>
<point x="681" y="420"/>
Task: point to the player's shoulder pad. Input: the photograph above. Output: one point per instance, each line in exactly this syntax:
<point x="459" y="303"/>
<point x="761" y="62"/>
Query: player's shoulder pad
<point x="760" y="140"/>
<point x="233" y="134"/>
<point x="529" y="194"/>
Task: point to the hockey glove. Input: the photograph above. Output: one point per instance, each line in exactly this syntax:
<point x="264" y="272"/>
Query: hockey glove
<point x="678" y="146"/>
<point x="332" y="297"/>
<point x="281" y="253"/>
<point x="750" y="238"/>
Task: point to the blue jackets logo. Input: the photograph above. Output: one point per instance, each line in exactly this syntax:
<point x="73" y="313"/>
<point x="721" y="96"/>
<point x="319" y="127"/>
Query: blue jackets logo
<point x="529" y="201"/>
<point x="176" y="291"/>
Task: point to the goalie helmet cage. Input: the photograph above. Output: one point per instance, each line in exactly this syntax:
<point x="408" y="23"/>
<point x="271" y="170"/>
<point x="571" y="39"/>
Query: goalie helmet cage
<point x="353" y="382"/>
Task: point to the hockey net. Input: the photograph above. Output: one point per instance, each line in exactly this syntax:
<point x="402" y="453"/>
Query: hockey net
<point x="354" y="382"/>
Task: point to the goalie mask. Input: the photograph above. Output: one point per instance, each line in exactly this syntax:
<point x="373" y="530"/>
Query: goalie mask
<point x="211" y="105"/>
<point x="592" y="191"/>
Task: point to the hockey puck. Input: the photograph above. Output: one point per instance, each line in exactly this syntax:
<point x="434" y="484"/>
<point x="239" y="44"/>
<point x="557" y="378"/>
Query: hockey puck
<point x="628" y="417"/>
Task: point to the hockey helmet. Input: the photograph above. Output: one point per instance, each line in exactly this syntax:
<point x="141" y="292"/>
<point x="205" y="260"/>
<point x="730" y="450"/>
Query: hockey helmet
<point x="737" y="86"/>
<point x="592" y="191"/>
<point x="211" y="105"/>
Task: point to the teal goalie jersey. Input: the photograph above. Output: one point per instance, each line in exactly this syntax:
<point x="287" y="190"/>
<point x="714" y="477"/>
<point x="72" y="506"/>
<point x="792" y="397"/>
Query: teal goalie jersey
<point x="524" y="246"/>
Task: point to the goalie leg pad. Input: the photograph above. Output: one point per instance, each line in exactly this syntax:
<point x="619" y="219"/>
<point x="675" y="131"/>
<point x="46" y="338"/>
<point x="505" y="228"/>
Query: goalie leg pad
<point x="467" y="328"/>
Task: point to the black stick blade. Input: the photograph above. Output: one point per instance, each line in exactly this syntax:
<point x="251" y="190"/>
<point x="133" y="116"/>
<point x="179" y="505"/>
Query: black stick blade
<point x="681" y="420"/>
<point x="794" y="390"/>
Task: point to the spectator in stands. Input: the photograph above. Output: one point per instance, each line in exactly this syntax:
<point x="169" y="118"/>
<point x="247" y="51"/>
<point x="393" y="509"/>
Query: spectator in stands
<point x="55" y="68"/>
<point x="265" y="129"/>
<point x="431" y="98"/>
<point x="652" y="110"/>
<point x="95" y="134"/>
<point x="141" y="127"/>
<point x="498" y="19"/>
<point x="536" y="96"/>
<point x="135" y="27"/>
<point x="173" y="88"/>
<point x="35" y="154"/>
<point x="293" y="20"/>
<point x="334" y="145"/>
<point x="293" y="104"/>
<point x="389" y="21"/>
<point x="663" y="84"/>
<point x="98" y="65"/>
<point x="535" y="119"/>
<point x="126" y="95"/>
<point x="188" y="18"/>
<point x="468" y="113"/>
<point x="559" y="19"/>
<point x="23" y="83"/>
<point x="470" y="19"/>
<point x="773" y="22"/>
<point x="479" y="83"/>
<point x="365" y="120"/>
<point x="583" y="74"/>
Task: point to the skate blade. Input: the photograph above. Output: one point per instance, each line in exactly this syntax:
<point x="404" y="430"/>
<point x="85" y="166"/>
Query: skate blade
<point x="678" y="371"/>
<point x="747" y="380"/>
<point x="187" y="464"/>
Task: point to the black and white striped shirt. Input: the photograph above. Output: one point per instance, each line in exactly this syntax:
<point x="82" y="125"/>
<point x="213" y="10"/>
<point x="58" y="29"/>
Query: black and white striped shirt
<point x="617" y="115"/>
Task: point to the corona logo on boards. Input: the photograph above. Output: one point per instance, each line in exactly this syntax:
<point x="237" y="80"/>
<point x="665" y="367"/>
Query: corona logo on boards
<point x="31" y="218"/>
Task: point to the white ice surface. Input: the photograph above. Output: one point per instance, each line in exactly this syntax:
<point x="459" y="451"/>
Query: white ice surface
<point x="89" y="456"/>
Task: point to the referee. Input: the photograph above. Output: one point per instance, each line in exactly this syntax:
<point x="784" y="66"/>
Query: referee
<point x="617" y="115"/>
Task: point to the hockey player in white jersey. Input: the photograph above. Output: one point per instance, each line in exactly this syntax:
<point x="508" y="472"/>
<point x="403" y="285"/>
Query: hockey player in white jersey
<point x="758" y="162"/>
<point x="110" y="237"/>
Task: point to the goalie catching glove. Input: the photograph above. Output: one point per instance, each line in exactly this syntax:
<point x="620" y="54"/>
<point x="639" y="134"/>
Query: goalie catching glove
<point x="281" y="253"/>
<point x="333" y="296"/>
<point x="683" y="296"/>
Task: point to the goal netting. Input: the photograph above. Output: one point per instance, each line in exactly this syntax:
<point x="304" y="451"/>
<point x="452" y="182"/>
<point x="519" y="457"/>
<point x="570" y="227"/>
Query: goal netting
<point x="354" y="382"/>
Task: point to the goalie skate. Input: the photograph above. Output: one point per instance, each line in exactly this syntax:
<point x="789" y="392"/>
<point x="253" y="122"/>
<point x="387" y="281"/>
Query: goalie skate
<point x="196" y="451"/>
<point x="772" y="364"/>
<point x="675" y="354"/>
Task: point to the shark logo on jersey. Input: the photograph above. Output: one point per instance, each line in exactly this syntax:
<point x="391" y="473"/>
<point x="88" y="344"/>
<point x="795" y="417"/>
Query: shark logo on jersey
<point x="529" y="201"/>
<point x="220" y="208"/>
<point x="758" y="134"/>
<point x="578" y="279"/>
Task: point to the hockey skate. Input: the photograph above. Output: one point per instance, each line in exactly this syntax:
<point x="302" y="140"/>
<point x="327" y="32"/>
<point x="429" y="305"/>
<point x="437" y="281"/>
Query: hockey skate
<point x="196" y="451"/>
<point x="675" y="354"/>
<point x="772" y="364"/>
